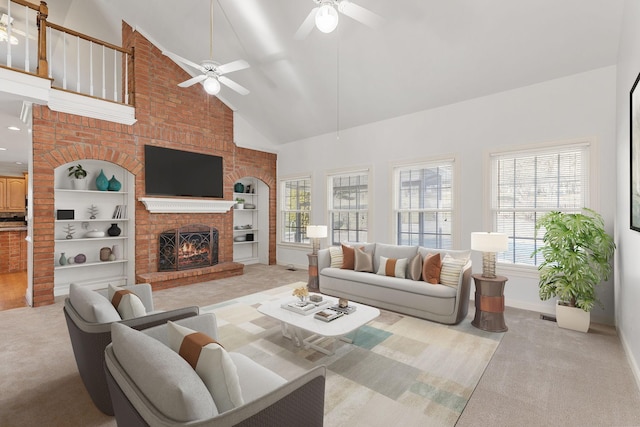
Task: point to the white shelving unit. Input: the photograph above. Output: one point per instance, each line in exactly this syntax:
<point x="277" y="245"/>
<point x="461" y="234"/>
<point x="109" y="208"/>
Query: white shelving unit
<point x="253" y="222"/>
<point x="93" y="273"/>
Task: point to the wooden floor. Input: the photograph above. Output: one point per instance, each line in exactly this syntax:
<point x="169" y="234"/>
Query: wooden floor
<point x="13" y="287"/>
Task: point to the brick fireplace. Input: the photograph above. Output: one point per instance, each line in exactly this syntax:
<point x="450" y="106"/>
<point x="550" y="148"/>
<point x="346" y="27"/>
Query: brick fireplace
<point x="168" y="116"/>
<point x="185" y="248"/>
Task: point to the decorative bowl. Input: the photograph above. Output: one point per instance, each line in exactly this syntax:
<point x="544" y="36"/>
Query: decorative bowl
<point x="249" y="206"/>
<point x="94" y="233"/>
<point x="240" y="238"/>
<point x="80" y="258"/>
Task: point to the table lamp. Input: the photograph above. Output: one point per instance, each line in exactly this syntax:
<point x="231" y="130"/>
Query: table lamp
<point x="315" y="233"/>
<point x="489" y="243"/>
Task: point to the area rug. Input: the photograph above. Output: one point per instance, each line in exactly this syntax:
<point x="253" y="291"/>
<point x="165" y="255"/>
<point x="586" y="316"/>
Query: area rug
<point x="399" y="370"/>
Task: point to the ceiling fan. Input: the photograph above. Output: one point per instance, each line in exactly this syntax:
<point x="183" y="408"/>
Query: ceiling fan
<point x="212" y="72"/>
<point x="325" y="16"/>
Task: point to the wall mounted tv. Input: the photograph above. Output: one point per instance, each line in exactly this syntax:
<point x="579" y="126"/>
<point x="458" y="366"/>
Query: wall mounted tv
<point x="169" y="172"/>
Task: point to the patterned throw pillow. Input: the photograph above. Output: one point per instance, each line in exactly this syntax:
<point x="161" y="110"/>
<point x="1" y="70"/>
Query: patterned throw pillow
<point x="451" y="270"/>
<point x="211" y="362"/>
<point x="348" y="257"/>
<point x="363" y="261"/>
<point x="336" y="256"/>
<point x="128" y="304"/>
<point x="414" y="268"/>
<point x="431" y="268"/>
<point x="392" y="267"/>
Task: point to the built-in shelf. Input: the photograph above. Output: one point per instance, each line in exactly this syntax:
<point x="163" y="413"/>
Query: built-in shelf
<point x="92" y="220"/>
<point x="252" y="251"/>
<point x="90" y="239"/>
<point x="89" y="264"/>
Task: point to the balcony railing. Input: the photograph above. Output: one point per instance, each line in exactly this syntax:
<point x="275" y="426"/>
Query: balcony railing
<point x="72" y="61"/>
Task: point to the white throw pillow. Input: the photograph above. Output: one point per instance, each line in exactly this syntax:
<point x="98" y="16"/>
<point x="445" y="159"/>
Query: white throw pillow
<point x="336" y="256"/>
<point x="392" y="267"/>
<point x="451" y="270"/>
<point x="128" y="304"/>
<point x="211" y="362"/>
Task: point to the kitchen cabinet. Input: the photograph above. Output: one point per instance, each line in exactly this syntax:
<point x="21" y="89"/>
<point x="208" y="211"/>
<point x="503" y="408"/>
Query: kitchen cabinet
<point x="12" y="194"/>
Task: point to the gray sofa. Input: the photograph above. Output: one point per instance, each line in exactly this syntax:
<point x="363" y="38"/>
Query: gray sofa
<point x="151" y="385"/>
<point x="439" y="303"/>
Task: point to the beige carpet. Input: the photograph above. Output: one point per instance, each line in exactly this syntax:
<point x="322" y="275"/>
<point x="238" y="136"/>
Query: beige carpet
<point x="399" y="370"/>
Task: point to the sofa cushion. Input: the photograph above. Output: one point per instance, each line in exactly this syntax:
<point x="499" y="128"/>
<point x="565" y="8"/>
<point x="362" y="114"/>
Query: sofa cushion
<point x="92" y="306"/>
<point x="363" y="261"/>
<point x="455" y="253"/>
<point x="255" y="379"/>
<point x="128" y="304"/>
<point x="392" y="267"/>
<point x="165" y="378"/>
<point x="392" y="251"/>
<point x="431" y="268"/>
<point x="336" y="256"/>
<point x="451" y="270"/>
<point x="414" y="268"/>
<point x="211" y="362"/>
<point x="348" y="257"/>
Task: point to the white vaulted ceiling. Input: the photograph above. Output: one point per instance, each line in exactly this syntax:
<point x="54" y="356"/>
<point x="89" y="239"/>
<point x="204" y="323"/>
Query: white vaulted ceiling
<point x="428" y="53"/>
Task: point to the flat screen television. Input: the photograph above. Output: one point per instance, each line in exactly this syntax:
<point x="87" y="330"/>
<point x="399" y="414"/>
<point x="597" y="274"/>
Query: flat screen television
<point x="169" y="172"/>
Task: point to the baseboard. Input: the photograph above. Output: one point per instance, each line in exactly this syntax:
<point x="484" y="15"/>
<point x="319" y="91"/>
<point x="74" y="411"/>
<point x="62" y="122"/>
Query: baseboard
<point x="296" y="266"/>
<point x="632" y="361"/>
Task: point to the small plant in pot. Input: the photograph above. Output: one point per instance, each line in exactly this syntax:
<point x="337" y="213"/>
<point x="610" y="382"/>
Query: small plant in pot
<point x="577" y="256"/>
<point x="78" y="177"/>
<point x="239" y="203"/>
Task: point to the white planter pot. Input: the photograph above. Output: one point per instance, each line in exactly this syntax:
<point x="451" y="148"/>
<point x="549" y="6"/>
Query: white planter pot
<point x="572" y="318"/>
<point x="239" y="206"/>
<point x="80" y="184"/>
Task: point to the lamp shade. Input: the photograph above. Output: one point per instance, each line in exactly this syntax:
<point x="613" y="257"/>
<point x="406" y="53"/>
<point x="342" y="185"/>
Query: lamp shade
<point x="489" y="242"/>
<point x="316" y="231"/>
<point x="211" y="86"/>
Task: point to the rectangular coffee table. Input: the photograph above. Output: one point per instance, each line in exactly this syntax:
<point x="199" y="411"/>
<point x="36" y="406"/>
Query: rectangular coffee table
<point x="319" y="329"/>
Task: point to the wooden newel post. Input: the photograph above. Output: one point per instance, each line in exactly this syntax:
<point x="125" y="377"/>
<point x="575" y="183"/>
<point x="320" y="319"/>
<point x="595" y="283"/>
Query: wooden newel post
<point x="43" y="65"/>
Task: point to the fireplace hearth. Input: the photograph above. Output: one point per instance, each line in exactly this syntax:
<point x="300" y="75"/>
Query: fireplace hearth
<point x="188" y="247"/>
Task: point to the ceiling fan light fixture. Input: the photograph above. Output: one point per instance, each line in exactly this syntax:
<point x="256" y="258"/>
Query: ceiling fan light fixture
<point x="4" y="36"/>
<point x="326" y="18"/>
<point x="212" y="86"/>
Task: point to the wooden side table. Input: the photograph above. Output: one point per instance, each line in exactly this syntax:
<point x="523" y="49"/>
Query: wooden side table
<point x="489" y="303"/>
<point x="313" y="284"/>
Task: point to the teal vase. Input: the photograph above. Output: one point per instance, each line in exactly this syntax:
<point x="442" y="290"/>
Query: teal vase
<point x="114" y="184"/>
<point x="102" y="183"/>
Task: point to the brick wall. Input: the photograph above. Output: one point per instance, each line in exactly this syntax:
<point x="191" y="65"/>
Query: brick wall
<point x="167" y="116"/>
<point x="13" y="251"/>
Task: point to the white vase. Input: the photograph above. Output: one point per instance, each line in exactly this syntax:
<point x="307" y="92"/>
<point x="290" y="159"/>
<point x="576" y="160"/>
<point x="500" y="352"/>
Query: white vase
<point x="115" y="251"/>
<point x="80" y="183"/>
<point x="572" y="318"/>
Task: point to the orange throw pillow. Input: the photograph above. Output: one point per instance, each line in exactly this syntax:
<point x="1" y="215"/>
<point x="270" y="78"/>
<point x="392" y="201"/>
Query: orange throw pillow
<point x="431" y="268"/>
<point x="348" y="257"/>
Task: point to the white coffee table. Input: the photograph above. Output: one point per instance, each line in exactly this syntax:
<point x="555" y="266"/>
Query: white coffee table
<point x="319" y="329"/>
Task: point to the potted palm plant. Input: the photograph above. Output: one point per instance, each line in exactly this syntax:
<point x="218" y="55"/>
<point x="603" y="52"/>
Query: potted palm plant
<point x="577" y="256"/>
<point x="78" y="177"/>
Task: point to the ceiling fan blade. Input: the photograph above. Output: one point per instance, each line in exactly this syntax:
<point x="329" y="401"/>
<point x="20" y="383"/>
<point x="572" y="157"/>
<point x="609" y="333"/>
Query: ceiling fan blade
<point x="193" y="80"/>
<point x="233" y="85"/>
<point x="230" y="67"/>
<point x="184" y="61"/>
<point x="360" y="14"/>
<point x="307" y="25"/>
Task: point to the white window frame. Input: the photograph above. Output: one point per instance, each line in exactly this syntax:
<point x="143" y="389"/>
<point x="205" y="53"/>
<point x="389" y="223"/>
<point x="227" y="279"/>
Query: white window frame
<point x="590" y="194"/>
<point x="330" y="208"/>
<point x="398" y="168"/>
<point x="305" y="241"/>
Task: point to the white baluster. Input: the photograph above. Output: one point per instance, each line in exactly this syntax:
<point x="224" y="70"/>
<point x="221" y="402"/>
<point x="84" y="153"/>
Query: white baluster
<point x="115" y="75"/>
<point x="104" y="86"/>
<point x="126" y="79"/>
<point x="9" y="34"/>
<point x="91" y="68"/>
<point x="26" y="43"/>
<point x="49" y="57"/>
<point x="64" y="61"/>
<point x="78" y="64"/>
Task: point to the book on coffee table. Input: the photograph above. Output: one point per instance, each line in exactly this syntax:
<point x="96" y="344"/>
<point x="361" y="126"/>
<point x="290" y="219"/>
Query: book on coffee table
<point x="327" y="315"/>
<point x="346" y="310"/>
<point x="305" y="309"/>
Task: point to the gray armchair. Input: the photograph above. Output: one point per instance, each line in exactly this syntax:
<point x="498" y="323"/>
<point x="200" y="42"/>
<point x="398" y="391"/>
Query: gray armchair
<point x="269" y="400"/>
<point x="89" y="337"/>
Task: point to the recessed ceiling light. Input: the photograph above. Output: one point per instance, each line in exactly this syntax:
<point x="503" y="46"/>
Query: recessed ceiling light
<point x="13" y="128"/>
<point x="18" y="163"/>
<point x="3" y="149"/>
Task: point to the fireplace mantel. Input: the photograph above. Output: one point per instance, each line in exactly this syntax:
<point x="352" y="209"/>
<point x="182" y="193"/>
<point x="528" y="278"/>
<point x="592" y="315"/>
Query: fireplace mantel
<point x="171" y="205"/>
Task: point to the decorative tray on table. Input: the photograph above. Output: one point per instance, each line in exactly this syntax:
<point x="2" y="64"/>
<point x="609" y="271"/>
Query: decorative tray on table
<point x="305" y="308"/>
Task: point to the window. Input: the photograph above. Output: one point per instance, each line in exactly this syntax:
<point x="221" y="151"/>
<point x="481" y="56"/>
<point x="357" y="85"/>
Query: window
<point x="424" y="204"/>
<point x="527" y="184"/>
<point x="348" y="207"/>
<point x="295" y="208"/>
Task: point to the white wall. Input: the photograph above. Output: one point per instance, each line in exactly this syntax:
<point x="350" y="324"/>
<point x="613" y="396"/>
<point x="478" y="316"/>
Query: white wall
<point x="578" y="106"/>
<point x="627" y="269"/>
